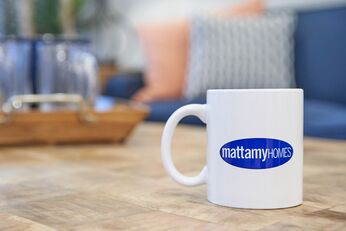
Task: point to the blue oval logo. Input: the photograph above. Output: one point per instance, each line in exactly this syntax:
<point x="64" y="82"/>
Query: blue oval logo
<point x="256" y="153"/>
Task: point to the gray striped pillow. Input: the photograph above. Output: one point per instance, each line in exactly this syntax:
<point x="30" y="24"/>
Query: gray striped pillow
<point x="246" y="52"/>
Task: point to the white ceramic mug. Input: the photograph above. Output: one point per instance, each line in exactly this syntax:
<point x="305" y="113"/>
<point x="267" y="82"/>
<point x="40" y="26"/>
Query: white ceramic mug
<point x="255" y="147"/>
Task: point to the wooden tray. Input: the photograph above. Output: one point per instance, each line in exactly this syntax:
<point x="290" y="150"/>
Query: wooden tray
<point x="82" y="126"/>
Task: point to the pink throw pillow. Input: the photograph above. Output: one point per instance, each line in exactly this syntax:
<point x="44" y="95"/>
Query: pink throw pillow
<point x="165" y="48"/>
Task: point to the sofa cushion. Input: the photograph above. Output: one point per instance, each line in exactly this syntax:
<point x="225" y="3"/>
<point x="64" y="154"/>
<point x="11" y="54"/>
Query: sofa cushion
<point x="321" y="119"/>
<point x="162" y="110"/>
<point x="320" y="54"/>
<point x="324" y="119"/>
<point x="123" y="85"/>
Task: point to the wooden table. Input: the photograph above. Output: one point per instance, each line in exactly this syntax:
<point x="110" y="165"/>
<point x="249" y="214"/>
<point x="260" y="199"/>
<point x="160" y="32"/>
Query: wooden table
<point x="124" y="187"/>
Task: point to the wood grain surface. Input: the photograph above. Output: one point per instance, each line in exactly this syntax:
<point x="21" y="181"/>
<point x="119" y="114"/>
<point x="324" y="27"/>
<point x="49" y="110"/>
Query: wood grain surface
<point x="124" y="187"/>
<point x="61" y="127"/>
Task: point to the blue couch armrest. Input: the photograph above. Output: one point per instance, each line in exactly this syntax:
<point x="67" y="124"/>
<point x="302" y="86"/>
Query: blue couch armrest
<point x="162" y="110"/>
<point x="321" y="118"/>
<point x="320" y="54"/>
<point x="124" y="85"/>
<point x="324" y="119"/>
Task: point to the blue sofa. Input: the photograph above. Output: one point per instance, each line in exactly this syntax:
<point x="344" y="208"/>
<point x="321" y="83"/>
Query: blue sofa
<point x="320" y="69"/>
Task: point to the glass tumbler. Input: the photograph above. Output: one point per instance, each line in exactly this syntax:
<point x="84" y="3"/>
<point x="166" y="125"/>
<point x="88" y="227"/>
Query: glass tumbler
<point x="15" y="66"/>
<point x="66" y="67"/>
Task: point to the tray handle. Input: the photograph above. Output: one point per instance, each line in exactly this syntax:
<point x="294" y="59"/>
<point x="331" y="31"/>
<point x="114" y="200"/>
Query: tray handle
<point x="16" y="102"/>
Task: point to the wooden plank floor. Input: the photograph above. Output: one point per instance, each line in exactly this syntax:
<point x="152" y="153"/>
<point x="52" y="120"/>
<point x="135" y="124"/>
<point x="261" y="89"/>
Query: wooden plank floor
<point x="124" y="187"/>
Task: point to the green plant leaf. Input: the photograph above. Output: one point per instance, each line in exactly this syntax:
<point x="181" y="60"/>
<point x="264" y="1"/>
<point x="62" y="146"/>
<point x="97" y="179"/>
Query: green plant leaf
<point x="46" y="16"/>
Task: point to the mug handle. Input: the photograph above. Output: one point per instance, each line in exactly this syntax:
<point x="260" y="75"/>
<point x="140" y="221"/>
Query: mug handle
<point x="198" y="110"/>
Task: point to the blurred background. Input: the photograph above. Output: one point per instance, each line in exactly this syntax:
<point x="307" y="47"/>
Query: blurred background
<point x="167" y="53"/>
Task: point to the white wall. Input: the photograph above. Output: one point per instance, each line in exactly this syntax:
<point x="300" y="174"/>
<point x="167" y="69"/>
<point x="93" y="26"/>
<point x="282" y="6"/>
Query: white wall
<point x="152" y="10"/>
<point x="304" y="4"/>
<point x="119" y="39"/>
